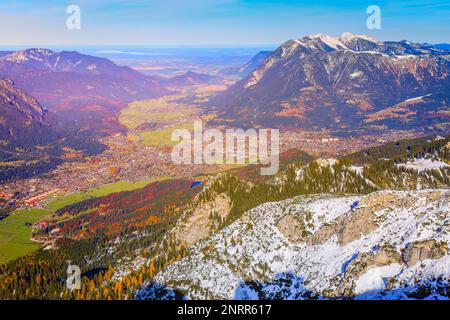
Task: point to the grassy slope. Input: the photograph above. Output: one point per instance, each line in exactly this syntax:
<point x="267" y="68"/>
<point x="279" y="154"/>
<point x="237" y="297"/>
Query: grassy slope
<point x="15" y="235"/>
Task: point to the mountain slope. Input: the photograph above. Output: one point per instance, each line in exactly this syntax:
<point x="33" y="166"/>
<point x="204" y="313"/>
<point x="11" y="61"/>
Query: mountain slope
<point x="390" y="245"/>
<point x="114" y="213"/>
<point x="78" y="87"/>
<point x="344" y="84"/>
<point x="226" y="201"/>
<point x="277" y="225"/>
<point x="253" y="64"/>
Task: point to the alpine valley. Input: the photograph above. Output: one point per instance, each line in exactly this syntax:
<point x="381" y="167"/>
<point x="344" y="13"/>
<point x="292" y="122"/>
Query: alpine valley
<point x="360" y="208"/>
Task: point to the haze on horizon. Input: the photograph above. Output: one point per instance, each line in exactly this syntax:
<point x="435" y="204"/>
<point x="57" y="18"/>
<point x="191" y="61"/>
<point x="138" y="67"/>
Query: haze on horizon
<point x="215" y="22"/>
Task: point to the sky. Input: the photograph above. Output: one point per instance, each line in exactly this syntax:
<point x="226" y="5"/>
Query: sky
<point x="215" y="22"/>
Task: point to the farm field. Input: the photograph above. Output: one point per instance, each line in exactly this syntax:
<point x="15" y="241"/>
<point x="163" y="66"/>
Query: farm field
<point x="162" y="137"/>
<point x="15" y="233"/>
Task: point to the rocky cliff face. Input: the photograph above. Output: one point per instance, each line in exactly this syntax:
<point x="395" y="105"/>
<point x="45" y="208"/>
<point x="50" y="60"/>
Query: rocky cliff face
<point x="345" y="83"/>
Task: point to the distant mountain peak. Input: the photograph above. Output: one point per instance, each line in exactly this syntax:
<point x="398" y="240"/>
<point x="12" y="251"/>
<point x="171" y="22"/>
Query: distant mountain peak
<point x="189" y="78"/>
<point x="39" y="51"/>
<point x="346" y="41"/>
<point x="37" y="54"/>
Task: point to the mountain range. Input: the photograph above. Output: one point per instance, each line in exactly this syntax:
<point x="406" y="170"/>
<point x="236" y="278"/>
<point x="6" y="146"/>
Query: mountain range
<point x="443" y="46"/>
<point x="78" y="87"/>
<point x="345" y="84"/>
<point x="369" y="224"/>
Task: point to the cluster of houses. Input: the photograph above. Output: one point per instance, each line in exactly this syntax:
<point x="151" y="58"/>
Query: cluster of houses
<point x="37" y="199"/>
<point x="6" y="196"/>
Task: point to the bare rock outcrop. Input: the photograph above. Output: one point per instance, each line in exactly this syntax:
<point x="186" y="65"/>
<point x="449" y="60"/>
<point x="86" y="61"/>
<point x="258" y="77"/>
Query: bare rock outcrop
<point x="422" y="250"/>
<point x="199" y="223"/>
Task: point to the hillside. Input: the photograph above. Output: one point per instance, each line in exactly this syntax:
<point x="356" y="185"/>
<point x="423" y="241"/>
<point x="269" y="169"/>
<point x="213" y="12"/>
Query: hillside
<point x="432" y="147"/>
<point x="349" y="84"/>
<point x="112" y="214"/>
<point x="225" y="259"/>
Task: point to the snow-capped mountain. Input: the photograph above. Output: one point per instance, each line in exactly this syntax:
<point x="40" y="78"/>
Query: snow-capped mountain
<point x="388" y="244"/>
<point x="344" y="83"/>
<point x="65" y="61"/>
<point x="42" y="71"/>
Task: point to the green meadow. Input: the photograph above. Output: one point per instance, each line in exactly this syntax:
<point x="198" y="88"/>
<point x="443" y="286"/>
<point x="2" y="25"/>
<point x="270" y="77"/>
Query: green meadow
<point x="153" y="110"/>
<point x="162" y="137"/>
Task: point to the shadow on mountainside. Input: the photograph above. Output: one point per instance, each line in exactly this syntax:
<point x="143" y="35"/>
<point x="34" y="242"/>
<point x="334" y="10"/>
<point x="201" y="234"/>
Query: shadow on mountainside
<point x="156" y="291"/>
<point x="289" y="286"/>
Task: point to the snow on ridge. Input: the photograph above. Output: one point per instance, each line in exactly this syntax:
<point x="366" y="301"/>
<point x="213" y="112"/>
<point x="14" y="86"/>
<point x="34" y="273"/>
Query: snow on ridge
<point x="348" y="36"/>
<point x="356" y="74"/>
<point x="329" y="41"/>
<point x="358" y="169"/>
<point x="423" y="164"/>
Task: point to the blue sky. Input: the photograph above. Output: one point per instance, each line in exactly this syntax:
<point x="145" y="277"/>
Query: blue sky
<point x="215" y="22"/>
